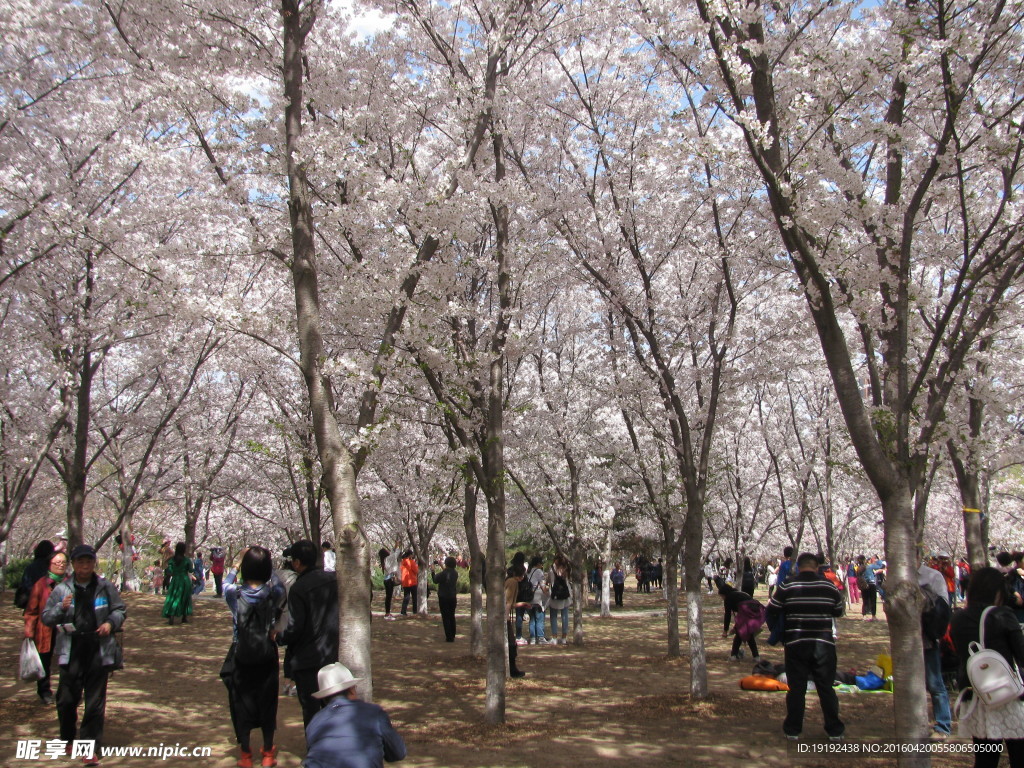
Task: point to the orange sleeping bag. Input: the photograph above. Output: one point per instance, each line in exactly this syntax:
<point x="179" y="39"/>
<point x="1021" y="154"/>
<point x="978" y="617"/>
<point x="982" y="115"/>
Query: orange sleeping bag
<point x="762" y="683"/>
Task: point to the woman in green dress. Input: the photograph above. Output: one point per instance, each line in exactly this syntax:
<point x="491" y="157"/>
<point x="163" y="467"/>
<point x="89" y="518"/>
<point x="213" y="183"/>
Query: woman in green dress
<point x="179" y="592"/>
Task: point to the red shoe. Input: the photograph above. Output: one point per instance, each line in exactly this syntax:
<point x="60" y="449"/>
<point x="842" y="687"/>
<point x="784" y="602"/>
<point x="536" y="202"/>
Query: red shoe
<point x="245" y="761"/>
<point x="269" y="756"/>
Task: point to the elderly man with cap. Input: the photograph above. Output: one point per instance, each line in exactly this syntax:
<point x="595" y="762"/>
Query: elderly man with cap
<point x="348" y="732"/>
<point x="85" y="611"/>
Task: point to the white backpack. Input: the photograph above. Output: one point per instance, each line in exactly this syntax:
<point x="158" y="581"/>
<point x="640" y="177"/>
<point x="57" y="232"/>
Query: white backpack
<point x="993" y="680"/>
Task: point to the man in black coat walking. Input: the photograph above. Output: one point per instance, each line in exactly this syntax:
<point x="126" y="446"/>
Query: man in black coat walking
<point x="312" y="631"/>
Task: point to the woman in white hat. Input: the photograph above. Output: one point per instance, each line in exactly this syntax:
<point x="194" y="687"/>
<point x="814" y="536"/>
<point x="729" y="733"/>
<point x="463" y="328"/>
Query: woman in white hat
<point x="348" y="732"/>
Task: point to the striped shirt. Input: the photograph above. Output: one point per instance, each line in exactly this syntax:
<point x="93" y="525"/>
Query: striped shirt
<point x="809" y="603"/>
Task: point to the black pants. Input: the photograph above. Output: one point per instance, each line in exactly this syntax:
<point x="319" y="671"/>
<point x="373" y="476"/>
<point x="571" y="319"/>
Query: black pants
<point x="218" y="579"/>
<point x="410" y="594"/>
<point x="618" y="593"/>
<point x="84" y="673"/>
<point x="1015" y="748"/>
<point x="811" y="661"/>
<point x="43" y="685"/>
<point x="389" y="594"/>
<point x="447" y="607"/>
<point x="305" y="686"/>
<point x="751" y="644"/>
<point x="513" y="651"/>
<point x="869" y="595"/>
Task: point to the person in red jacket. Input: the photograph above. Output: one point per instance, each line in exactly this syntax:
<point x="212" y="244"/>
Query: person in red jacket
<point x="38" y="632"/>
<point x="217" y="558"/>
<point x="410" y="574"/>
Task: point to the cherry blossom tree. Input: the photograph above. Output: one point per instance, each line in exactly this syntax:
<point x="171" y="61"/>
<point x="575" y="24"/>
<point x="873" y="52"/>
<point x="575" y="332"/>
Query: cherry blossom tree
<point x="879" y="247"/>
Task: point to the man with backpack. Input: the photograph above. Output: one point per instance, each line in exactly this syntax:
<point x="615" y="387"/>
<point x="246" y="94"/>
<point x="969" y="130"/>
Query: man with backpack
<point x="934" y="623"/>
<point x="312" y="631"/>
<point x="809" y="604"/>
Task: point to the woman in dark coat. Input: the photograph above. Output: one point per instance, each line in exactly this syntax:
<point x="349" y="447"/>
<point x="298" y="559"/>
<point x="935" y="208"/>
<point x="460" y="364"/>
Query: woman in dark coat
<point x="748" y="584"/>
<point x="256" y="603"/>
<point x="1003" y="634"/>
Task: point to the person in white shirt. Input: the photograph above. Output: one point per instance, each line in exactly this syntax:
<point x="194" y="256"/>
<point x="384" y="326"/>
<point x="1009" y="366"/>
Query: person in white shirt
<point x="330" y="559"/>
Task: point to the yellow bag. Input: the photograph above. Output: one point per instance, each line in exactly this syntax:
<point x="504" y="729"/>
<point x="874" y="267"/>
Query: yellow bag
<point x="884" y="660"/>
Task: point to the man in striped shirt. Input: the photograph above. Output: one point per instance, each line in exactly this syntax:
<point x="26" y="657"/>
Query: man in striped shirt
<point x="809" y="603"/>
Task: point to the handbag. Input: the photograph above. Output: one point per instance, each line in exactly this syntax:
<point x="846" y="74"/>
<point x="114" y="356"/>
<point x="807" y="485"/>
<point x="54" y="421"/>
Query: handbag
<point x="227" y="669"/>
<point x="30" y="665"/>
<point x="118" y="651"/>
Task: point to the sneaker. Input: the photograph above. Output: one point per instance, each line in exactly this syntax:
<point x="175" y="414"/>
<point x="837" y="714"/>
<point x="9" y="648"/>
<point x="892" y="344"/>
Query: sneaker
<point x="757" y="659"/>
<point x="937" y="735"/>
<point x="563" y="641"/>
<point x="542" y="641"/>
<point x="734" y="657"/>
<point x="269" y="757"/>
<point x="91" y="761"/>
<point x="244" y="759"/>
<point x="517" y="673"/>
<point x="46" y="699"/>
<point x="520" y="641"/>
<point x="837" y="739"/>
<point x="793" y="737"/>
<point x="389" y="617"/>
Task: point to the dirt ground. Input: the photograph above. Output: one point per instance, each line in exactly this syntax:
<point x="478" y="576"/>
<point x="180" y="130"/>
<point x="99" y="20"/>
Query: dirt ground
<point x="614" y="701"/>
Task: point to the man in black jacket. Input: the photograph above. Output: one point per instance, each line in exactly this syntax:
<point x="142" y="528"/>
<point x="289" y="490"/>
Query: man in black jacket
<point x="312" y="631"/>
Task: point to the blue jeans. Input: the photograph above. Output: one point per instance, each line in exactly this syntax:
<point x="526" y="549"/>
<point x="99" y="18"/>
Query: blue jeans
<point x="536" y="622"/>
<point x="564" y="613"/>
<point x="520" y="612"/>
<point x="937" y="688"/>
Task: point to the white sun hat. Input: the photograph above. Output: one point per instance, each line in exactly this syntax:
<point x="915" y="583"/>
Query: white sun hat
<point x="334" y="678"/>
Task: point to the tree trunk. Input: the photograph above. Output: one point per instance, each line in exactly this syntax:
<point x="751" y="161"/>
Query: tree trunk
<point x="606" y="582"/>
<point x="476" y="614"/>
<point x="672" y="607"/>
<point x="903" y="606"/>
<point x="497" y="616"/>
<point x="968" y="480"/>
<point x="129" y="578"/>
<point x="423" y="609"/>
<point x="579" y="600"/>
<point x="339" y="475"/>
<point x="693" y="542"/>
<point x="77" y="472"/>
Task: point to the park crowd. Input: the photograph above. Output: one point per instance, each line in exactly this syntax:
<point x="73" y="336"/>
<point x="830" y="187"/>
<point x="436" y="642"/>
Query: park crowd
<point x="73" y="615"/>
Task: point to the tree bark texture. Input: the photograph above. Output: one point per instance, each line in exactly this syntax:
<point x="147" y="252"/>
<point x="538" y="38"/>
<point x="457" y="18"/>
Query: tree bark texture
<point x="476" y="613"/>
<point x="339" y="475"/>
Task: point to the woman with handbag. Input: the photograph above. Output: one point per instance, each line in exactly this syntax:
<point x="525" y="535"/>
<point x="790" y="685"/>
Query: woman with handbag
<point x="989" y="726"/>
<point x="38" y="632"/>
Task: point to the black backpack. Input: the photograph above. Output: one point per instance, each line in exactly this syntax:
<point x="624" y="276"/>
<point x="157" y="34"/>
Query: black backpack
<point x="254" y="622"/>
<point x="935" y="618"/>
<point x="560" y="588"/>
<point x="525" y="593"/>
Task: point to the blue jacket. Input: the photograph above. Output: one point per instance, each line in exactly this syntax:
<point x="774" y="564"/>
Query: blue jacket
<point x="351" y="734"/>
